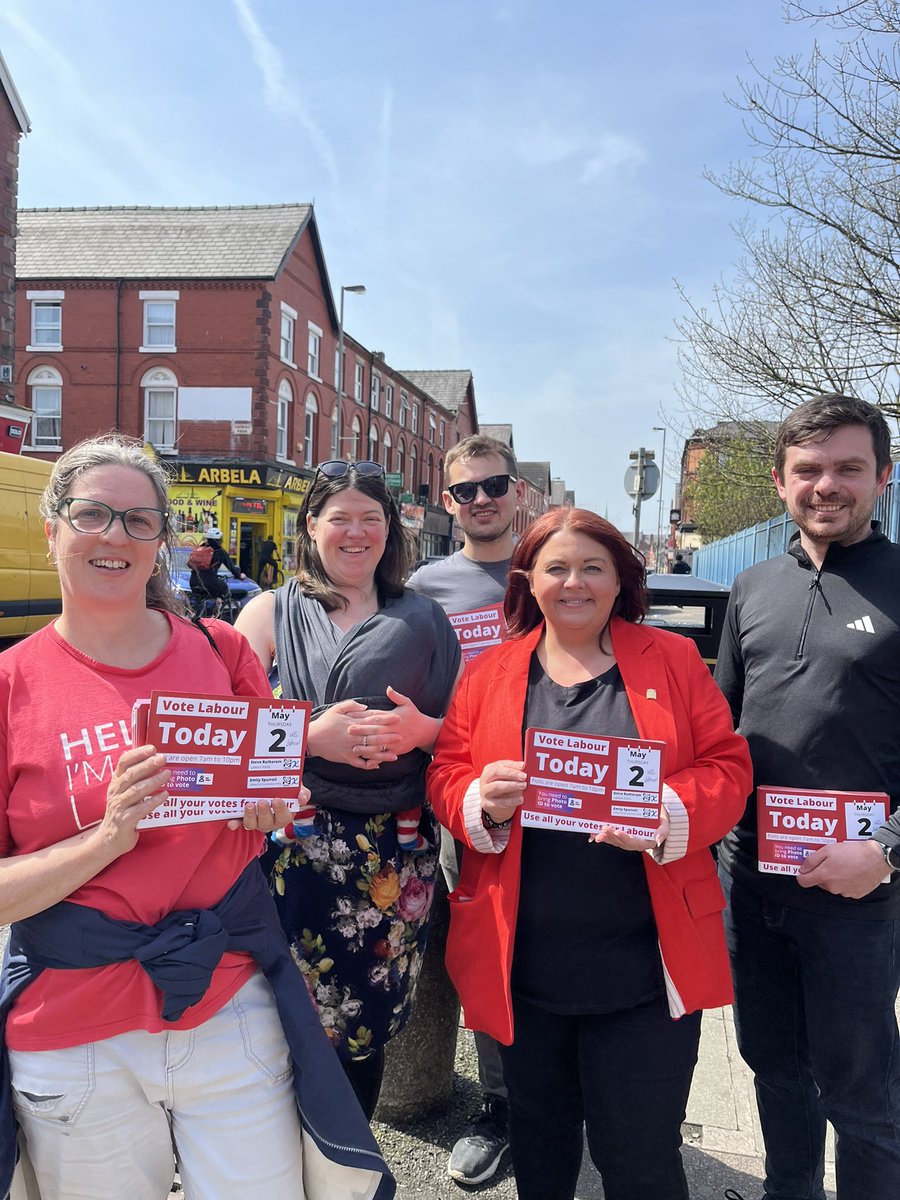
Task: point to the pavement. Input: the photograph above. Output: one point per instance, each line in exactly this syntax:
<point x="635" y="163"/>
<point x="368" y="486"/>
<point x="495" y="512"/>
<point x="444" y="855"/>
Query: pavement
<point x="723" y="1143"/>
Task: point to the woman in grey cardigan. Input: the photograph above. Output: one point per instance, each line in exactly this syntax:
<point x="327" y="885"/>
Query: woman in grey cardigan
<point x="379" y="664"/>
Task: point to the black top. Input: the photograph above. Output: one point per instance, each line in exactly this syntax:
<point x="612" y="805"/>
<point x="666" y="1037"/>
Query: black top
<point x="586" y="939"/>
<point x="810" y="665"/>
<point x="208" y="581"/>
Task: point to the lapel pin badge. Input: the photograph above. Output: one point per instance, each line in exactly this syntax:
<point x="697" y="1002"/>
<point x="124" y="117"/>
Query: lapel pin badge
<point x="651" y="693"/>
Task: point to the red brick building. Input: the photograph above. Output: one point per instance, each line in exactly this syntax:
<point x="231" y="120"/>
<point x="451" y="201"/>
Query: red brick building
<point x="14" y="123"/>
<point x="213" y="334"/>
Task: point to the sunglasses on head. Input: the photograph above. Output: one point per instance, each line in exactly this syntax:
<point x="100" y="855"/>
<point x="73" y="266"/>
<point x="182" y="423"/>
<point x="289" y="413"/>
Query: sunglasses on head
<point x="493" y="486"/>
<point x="335" y="468"/>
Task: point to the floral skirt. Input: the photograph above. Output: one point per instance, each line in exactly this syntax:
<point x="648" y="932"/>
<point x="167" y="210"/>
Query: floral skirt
<point x="356" y="910"/>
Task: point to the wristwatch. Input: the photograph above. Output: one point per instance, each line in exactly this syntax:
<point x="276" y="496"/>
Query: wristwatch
<point x="891" y="855"/>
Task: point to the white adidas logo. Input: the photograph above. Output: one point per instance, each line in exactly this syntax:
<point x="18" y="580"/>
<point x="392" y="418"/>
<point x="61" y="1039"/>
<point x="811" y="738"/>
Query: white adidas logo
<point x="863" y="624"/>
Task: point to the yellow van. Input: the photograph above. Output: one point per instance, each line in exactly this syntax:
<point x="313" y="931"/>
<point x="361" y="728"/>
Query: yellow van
<point x="29" y="586"/>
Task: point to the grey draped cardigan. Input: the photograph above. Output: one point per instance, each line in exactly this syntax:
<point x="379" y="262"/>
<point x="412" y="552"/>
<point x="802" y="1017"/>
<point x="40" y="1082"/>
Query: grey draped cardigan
<point x="408" y="644"/>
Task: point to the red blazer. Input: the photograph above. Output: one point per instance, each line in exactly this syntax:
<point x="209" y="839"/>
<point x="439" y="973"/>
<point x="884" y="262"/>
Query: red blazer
<point x="673" y="699"/>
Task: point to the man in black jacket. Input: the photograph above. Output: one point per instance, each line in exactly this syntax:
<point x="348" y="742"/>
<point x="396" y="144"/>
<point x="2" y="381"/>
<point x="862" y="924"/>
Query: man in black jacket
<point x="810" y="664"/>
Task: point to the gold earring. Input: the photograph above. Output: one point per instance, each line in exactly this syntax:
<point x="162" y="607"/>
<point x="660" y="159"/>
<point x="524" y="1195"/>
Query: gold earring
<point x="157" y="570"/>
<point x="51" y="560"/>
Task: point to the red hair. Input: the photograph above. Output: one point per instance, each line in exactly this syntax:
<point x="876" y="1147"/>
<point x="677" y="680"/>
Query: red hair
<point x="521" y="608"/>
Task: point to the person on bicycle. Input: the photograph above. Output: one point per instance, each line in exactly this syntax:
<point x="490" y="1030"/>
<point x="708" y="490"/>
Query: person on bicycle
<point x="206" y="583"/>
<point x="268" y="557"/>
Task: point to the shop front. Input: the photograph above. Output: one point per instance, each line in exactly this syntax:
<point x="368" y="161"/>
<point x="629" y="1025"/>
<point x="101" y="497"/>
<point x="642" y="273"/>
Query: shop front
<point x="250" y="502"/>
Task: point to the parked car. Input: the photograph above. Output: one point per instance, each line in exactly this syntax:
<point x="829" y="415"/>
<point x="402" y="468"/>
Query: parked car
<point x="241" y="590"/>
<point x="693" y="607"/>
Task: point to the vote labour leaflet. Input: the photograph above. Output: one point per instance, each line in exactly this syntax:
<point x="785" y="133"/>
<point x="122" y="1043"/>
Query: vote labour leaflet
<point x="478" y="629"/>
<point x="222" y="751"/>
<point x="576" y="782"/>
<point x="793" y="822"/>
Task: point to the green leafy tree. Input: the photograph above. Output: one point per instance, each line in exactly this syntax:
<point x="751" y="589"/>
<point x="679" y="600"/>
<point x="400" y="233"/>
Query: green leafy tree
<point x="732" y="489"/>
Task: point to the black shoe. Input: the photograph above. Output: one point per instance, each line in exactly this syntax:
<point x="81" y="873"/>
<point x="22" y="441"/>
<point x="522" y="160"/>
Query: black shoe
<point x="477" y="1154"/>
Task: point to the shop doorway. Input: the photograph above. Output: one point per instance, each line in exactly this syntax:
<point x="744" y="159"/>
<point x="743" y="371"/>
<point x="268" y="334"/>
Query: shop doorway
<point x="251" y="535"/>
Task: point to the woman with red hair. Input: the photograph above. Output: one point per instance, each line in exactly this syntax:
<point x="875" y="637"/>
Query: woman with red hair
<point x="589" y="958"/>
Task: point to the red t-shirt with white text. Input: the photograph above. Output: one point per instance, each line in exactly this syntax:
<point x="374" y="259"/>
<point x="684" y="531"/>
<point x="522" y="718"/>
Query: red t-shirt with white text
<point x="65" y="721"/>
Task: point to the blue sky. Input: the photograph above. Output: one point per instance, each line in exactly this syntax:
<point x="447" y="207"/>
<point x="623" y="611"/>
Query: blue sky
<point x="516" y="182"/>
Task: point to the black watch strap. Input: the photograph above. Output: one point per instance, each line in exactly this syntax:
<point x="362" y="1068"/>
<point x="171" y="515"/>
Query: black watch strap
<point x="891" y="854"/>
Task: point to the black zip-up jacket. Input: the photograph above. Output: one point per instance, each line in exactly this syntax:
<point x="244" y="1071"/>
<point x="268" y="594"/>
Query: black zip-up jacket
<point x="810" y="664"/>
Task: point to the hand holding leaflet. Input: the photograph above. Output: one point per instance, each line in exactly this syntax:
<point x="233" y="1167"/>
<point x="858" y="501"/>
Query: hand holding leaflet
<point x="222" y="751"/>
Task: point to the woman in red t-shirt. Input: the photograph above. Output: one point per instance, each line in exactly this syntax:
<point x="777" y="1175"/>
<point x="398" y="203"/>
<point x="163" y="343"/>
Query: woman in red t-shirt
<point x="110" y="1096"/>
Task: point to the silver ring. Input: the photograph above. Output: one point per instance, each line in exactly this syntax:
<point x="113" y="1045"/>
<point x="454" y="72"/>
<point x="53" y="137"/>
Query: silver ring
<point x="365" y="741"/>
<point x="384" y="749"/>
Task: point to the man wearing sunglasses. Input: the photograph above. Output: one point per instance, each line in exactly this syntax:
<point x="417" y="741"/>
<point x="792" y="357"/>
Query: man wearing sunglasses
<point x="482" y="493"/>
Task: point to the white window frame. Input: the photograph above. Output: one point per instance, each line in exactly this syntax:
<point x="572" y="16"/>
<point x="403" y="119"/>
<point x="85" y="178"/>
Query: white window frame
<point x="389" y="401"/>
<point x="313" y="351"/>
<point x="310" y="414"/>
<point x="41" y="301"/>
<point x="287" y="334"/>
<point x="413" y="464"/>
<point x="159" y="388"/>
<point x="336" y="430"/>
<point x="359" y="373"/>
<point x="404" y="410"/>
<point x="442" y="433"/>
<point x="283" y="402"/>
<point x="432" y="428"/>
<point x="337" y="368"/>
<point x="373" y="442"/>
<point x="375" y="392"/>
<point x="386" y="450"/>
<point x="46" y="385"/>
<point x="355" y="438"/>
<point x="414" y="427"/>
<point x="158" y="298"/>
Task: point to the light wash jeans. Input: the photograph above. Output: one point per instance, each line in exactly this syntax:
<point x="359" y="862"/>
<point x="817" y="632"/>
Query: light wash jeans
<point x="113" y="1118"/>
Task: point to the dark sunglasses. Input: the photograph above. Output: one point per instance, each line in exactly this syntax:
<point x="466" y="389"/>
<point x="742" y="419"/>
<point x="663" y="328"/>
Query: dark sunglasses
<point x="493" y="486"/>
<point x="336" y="468"/>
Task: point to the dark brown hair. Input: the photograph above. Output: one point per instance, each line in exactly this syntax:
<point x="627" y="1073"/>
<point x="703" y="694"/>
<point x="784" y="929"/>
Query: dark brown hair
<point x="399" y="550"/>
<point x="821" y="416"/>
<point x="521" y="608"/>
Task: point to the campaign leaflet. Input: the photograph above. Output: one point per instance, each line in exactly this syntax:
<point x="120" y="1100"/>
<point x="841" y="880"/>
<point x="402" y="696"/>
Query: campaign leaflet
<point x="793" y="822"/>
<point x="479" y="629"/>
<point x="578" y="782"/>
<point x="222" y="751"/>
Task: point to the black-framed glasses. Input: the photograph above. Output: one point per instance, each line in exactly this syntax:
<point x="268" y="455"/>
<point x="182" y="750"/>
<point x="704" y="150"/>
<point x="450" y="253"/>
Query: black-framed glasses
<point x="93" y="516"/>
<point x="335" y="468"/>
<point x="493" y="486"/>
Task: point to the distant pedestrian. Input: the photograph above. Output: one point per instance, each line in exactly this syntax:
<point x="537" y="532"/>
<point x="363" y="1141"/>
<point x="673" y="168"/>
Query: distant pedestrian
<point x="681" y="567"/>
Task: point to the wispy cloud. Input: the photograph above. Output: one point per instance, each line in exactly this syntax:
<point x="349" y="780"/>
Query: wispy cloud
<point x="546" y="145"/>
<point x="280" y="95"/>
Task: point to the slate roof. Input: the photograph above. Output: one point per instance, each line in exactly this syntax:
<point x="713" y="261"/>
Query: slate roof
<point x="241" y="242"/>
<point x="448" y="388"/>
<point x="502" y="433"/>
<point x="537" y="473"/>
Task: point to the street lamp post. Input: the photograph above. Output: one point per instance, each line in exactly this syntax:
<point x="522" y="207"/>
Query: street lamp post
<point x="358" y="289"/>
<point x="662" y="475"/>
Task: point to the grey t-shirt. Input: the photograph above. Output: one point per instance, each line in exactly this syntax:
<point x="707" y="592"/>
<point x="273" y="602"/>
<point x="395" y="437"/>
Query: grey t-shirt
<point x="460" y="584"/>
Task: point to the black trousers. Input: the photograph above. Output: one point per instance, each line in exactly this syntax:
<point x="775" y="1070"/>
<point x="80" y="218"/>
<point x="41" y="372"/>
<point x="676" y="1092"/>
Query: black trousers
<point x="624" y="1077"/>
